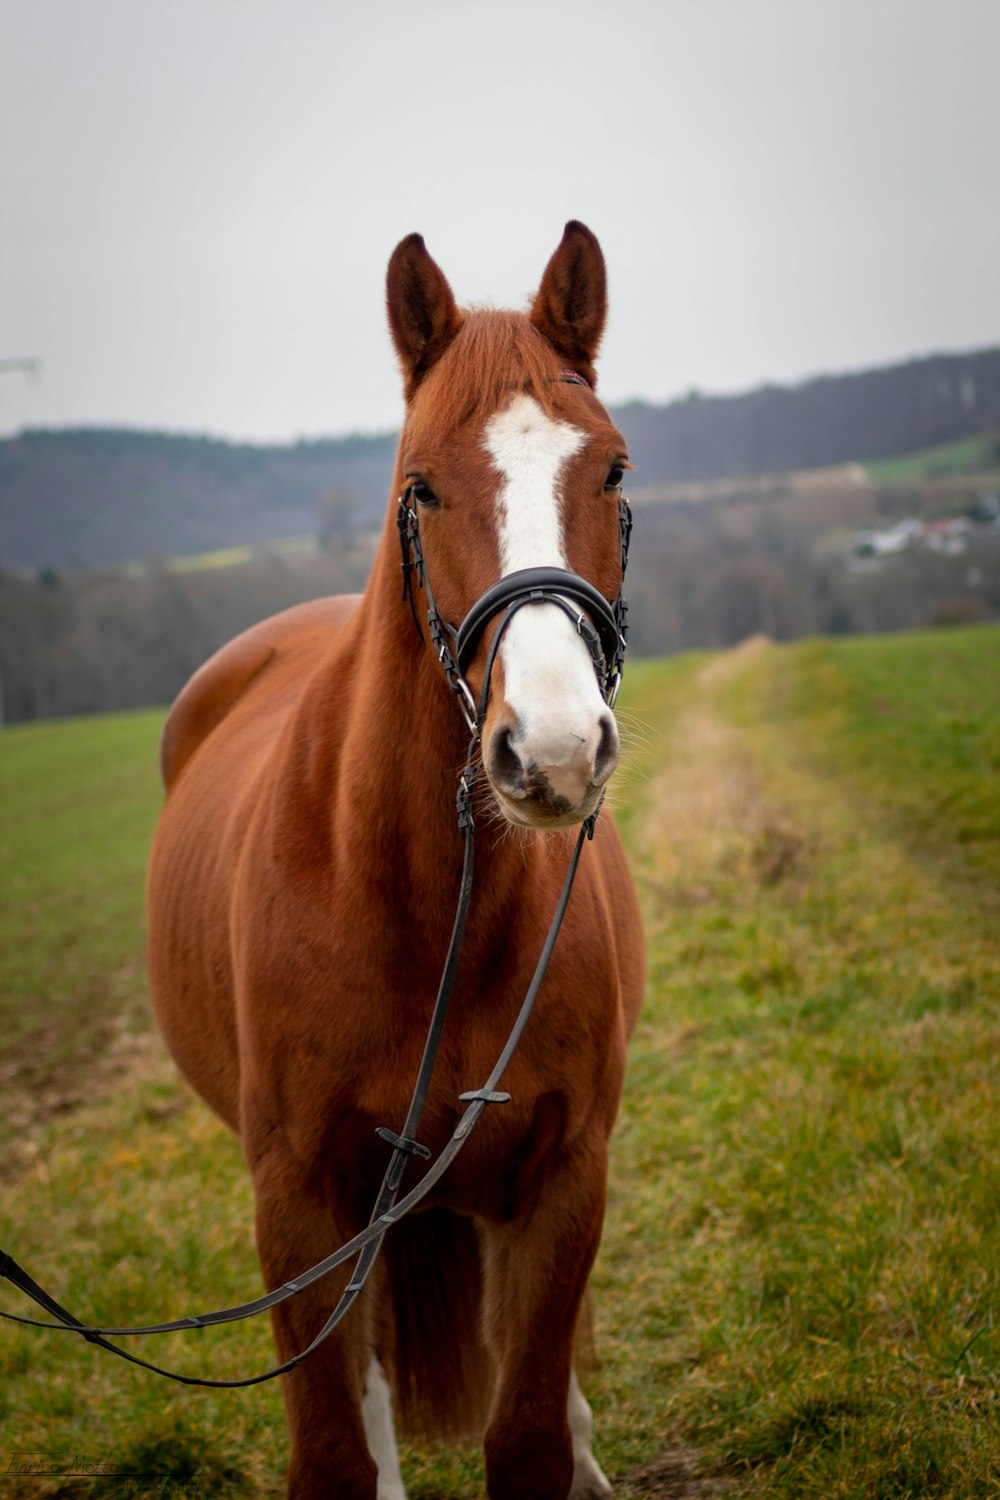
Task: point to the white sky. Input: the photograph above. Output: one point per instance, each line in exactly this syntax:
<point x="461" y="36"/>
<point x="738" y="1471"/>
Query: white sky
<point x="198" y="197"/>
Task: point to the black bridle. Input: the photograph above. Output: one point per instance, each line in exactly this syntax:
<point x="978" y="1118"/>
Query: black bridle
<point x="603" y="628"/>
<point x="602" y="625"/>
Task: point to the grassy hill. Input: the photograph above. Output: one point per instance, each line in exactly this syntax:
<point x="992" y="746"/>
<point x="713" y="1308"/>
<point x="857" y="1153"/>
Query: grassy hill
<point x="799" y="1287"/>
<point x="968" y="456"/>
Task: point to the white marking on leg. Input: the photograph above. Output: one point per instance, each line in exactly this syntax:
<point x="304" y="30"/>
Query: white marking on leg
<point x="548" y="675"/>
<point x="589" y="1480"/>
<point x="380" y="1434"/>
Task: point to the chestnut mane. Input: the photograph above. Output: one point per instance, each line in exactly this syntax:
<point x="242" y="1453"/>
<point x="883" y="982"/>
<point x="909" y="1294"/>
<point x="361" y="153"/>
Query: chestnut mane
<point x="494" y="353"/>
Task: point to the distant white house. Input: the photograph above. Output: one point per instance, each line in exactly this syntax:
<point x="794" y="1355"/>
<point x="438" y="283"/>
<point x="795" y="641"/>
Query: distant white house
<point x="950" y="537"/>
<point x="897" y="538"/>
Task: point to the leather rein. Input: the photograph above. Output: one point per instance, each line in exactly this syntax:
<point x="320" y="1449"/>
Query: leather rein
<point x="603" y="626"/>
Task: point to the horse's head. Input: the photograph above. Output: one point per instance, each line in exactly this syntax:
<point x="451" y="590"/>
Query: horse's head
<point x="512" y="463"/>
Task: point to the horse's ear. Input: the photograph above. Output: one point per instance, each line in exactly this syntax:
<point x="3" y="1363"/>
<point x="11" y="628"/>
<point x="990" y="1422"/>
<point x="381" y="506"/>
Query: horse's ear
<point x="423" y="317"/>
<point x="572" y="301"/>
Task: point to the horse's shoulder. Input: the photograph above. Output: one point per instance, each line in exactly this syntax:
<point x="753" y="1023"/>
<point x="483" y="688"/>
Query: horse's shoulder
<point x="279" y="648"/>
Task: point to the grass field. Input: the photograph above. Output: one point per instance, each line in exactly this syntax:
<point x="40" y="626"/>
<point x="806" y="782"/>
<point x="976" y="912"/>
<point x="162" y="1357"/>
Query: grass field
<point x="288" y="548"/>
<point x="974" y="455"/>
<point x="797" y="1294"/>
<point x="79" y="803"/>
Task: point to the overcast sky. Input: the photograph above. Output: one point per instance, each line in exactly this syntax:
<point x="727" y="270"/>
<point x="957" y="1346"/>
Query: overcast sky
<point x="199" y="197"/>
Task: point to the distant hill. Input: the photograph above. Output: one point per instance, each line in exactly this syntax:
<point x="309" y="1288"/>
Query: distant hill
<point x="95" y="497"/>
<point x="833" y="419"/>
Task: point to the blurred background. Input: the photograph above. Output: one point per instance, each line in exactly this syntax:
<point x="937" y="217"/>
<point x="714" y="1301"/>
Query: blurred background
<point x="800" y="211"/>
<point x="798" y="1291"/>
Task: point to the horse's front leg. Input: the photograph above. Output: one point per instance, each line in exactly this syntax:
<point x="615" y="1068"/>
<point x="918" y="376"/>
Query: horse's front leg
<point x="538" y="1439"/>
<point x="337" y="1401"/>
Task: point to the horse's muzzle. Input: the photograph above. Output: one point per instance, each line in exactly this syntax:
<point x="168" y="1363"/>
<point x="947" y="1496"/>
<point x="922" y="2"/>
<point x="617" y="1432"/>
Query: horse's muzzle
<point x="549" y="783"/>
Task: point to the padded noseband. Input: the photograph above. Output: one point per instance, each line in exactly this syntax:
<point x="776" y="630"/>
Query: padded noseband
<point x="536" y="585"/>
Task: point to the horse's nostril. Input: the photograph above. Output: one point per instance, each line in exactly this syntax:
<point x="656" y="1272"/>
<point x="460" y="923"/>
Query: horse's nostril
<point x="505" y="765"/>
<point x="607" y="750"/>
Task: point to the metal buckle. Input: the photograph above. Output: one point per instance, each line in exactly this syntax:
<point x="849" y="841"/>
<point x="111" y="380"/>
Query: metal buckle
<point x="467" y="704"/>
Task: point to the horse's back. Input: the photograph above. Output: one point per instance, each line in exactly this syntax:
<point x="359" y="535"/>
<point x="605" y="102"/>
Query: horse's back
<point x="264" y="662"/>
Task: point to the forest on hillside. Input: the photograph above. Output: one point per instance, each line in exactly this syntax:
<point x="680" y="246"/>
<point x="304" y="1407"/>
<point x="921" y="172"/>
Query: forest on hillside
<point x="834" y="551"/>
<point x="779" y="558"/>
<point x="833" y="419"/>
<point x="99" y="498"/>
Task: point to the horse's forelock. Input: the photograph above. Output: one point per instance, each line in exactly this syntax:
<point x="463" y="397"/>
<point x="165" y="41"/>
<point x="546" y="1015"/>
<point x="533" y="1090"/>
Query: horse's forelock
<point x="494" y="356"/>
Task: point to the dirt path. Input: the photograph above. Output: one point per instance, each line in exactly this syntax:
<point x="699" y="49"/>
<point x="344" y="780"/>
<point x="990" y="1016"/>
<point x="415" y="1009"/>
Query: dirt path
<point x="671" y="1477"/>
<point x="714" y="819"/>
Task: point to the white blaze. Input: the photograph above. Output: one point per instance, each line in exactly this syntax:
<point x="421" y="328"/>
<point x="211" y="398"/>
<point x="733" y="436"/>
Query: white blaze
<point x="548" y="674"/>
<point x="530" y="449"/>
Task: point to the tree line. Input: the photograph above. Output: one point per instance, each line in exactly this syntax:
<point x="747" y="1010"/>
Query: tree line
<point x="704" y="573"/>
<point x="97" y="498"/>
<point x="833" y="419"/>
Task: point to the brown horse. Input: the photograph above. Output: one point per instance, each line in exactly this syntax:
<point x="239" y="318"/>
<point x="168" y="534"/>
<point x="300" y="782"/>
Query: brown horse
<point x="303" y="885"/>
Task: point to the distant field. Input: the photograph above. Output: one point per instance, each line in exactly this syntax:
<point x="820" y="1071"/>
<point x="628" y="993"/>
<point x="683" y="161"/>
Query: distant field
<point x="842" y="494"/>
<point x="798" y="1293"/>
<point x="290" y="548"/>
<point x="229" y="557"/>
<point x="79" y="803"/>
<point x="947" y="461"/>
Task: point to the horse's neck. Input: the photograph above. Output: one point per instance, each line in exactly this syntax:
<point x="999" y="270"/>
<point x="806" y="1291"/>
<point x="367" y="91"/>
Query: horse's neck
<point x="381" y="742"/>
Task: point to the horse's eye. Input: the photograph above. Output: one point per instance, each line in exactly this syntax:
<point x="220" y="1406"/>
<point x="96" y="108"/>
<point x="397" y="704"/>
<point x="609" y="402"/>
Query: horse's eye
<point x="615" y="476"/>
<point x="423" y="494"/>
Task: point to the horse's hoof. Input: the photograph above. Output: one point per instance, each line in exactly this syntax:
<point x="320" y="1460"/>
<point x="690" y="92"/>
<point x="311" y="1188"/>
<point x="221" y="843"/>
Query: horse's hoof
<point x="590" y="1481"/>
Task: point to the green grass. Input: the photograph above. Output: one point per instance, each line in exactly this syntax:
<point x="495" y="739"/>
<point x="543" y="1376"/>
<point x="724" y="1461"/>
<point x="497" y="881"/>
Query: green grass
<point x="911" y="723"/>
<point x="974" y="455"/>
<point x="799" y="1286"/>
<point x="234" y="557"/>
<point x="289" y="548"/>
<point x="79" y="805"/>
<point x="808" y="1135"/>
